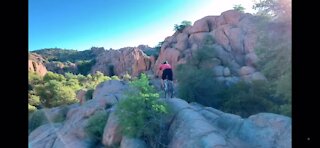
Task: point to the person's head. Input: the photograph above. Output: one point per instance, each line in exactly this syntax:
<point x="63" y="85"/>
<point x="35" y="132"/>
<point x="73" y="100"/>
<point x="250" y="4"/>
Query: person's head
<point x="165" y="62"/>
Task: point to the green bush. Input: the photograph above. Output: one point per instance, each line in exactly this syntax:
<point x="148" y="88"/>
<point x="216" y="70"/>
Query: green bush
<point x="139" y="111"/>
<point x="96" y="124"/>
<point x="274" y="50"/>
<point x="183" y="25"/>
<point x="37" y="119"/>
<point x="33" y="100"/>
<point x="54" y="93"/>
<point x="126" y="77"/>
<point x="34" y="79"/>
<point x="246" y="99"/>
<point x="31" y="108"/>
<point x="196" y="79"/>
<point x="115" y="78"/>
<point x="238" y="8"/>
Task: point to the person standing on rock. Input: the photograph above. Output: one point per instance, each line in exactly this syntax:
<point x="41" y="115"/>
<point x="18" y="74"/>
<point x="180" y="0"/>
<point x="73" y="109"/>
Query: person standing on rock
<point x="166" y="72"/>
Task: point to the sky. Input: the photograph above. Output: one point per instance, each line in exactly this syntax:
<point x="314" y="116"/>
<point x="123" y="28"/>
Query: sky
<point x="82" y="24"/>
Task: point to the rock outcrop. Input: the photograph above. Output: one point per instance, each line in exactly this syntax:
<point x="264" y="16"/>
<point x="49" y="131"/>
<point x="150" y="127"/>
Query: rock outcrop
<point x="71" y="133"/>
<point x="198" y="126"/>
<point x="233" y="37"/>
<point x="129" y="60"/>
<point x="189" y="125"/>
<point x="36" y="64"/>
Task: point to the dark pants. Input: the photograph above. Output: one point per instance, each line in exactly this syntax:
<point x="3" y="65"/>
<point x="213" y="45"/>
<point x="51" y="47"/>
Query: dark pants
<point x="167" y="74"/>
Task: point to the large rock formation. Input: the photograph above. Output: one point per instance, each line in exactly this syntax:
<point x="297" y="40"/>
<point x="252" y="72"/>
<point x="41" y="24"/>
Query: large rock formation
<point x="129" y="60"/>
<point x="198" y="126"/>
<point x="190" y="125"/>
<point x="71" y="133"/>
<point x="36" y="64"/>
<point x="234" y="37"/>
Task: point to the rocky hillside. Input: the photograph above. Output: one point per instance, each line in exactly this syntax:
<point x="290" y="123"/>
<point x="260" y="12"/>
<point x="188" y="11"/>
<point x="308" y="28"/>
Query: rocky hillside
<point x="131" y="60"/>
<point x="234" y="37"/>
<point x="36" y="64"/>
<point x="190" y="125"/>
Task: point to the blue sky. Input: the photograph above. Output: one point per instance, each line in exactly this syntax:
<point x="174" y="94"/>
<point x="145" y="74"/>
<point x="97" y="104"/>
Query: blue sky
<point x="82" y="24"/>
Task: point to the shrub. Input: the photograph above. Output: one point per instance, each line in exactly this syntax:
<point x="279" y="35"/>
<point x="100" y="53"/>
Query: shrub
<point x="238" y="8"/>
<point x="37" y="119"/>
<point x="53" y="94"/>
<point x="115" y="78"/>
<point x="33" y="100"/>
<point x="183" y="25"/>
<point x="196" y="79"/>
<point x="96" y="124"/>
<point x="246" y="99"/>
<point x="126" y="77"/>
<point x="34" y="78"/>
<point x="31" y="108"/>
<point x="140" y="112"/>
<point x="54" y="76"/>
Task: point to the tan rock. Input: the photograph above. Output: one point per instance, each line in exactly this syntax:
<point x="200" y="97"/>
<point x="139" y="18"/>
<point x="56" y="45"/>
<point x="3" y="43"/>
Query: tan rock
<point x="36" y="64"/>
<point x="112" y="134"/>
<point x="200" y="25"/>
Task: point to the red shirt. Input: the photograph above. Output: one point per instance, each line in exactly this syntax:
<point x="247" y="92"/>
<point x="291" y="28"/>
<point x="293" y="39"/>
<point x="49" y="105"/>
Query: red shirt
<point x="165" y="66"/>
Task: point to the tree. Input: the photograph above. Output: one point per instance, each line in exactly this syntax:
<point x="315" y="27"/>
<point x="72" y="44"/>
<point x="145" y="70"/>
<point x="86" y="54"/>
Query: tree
<point x="274" y="8"/>
<point x="53" y="76"/>
<point x="238" y="8"/>
<point x="140" y="112"/>
<point x="54" y="93"/>
<point x="183" y="25"/>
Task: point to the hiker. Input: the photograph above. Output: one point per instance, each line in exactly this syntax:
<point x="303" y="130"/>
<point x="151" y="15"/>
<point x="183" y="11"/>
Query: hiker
<point x="166" y="72"/>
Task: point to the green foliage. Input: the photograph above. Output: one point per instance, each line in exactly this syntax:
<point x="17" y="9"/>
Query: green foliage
<point x="54" y="76"/>
<point x="115" y="78"/>
<point x="127" y="77"/>
<point x="54" y="93"/>
<point x="239" y="8"/>
<point x="274" y="49"/>
<point x="245" y="99"/>
<point x="36" y="119"/>
<point x="183" y="25"/>
<point x="34" y="78"/>
<point x="198" y="85"/>
<point x="96" y="124"/>
<point x="31" y="108"/>
<point x="196" y="81"/>
<point x="73" y="84"/>
<point x="64" y="55"/>
<point x="272" y="8"/>
<point x="33" y="100"/>
<point x="140" y="111"/>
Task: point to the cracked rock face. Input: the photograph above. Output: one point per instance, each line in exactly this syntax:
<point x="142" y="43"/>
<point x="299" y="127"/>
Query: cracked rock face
<point x="36" y="64"/>
<point x="199" y="126"/>
<point x="129" y="60"/>
<point x="235" y="38"/>
<point x="190" y="125"/>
